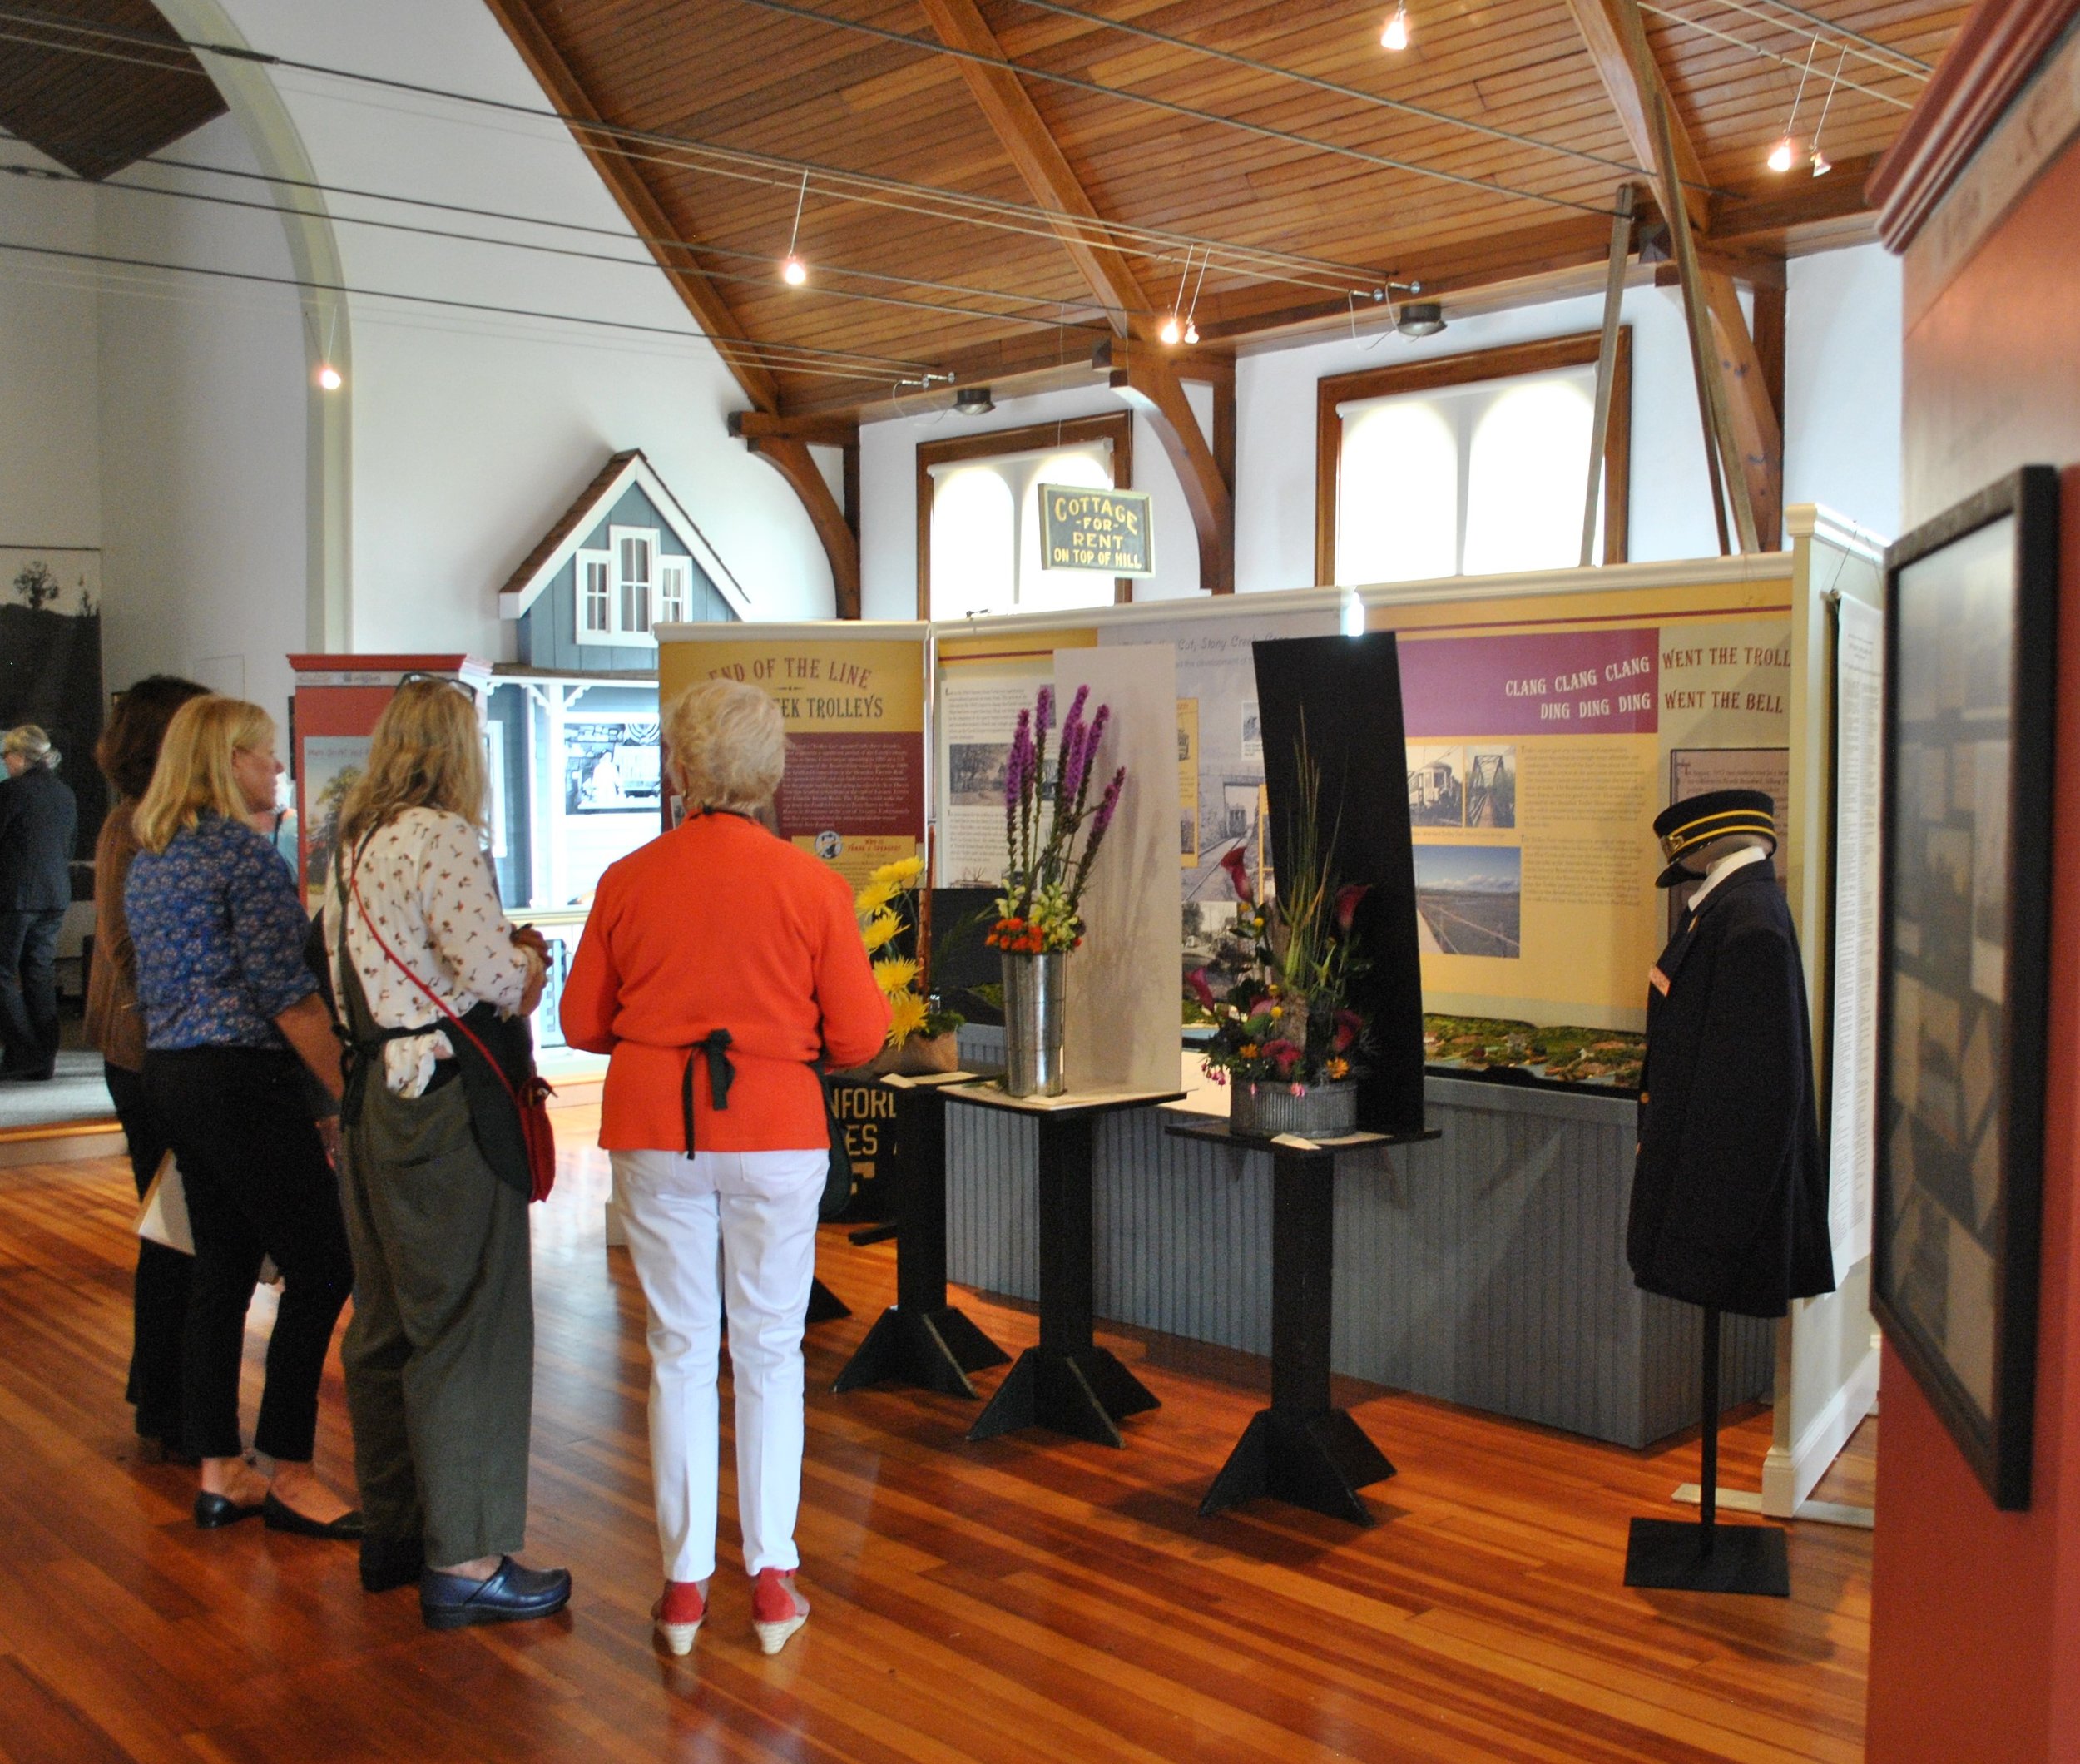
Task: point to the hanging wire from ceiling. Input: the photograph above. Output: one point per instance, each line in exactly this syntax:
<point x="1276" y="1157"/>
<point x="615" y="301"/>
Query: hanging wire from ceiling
<point x="690" y="154"/>
<point x="1075" y="82"/>
<point x="1378" y="101"/>
<point x="794" y="358"/>
<point x="1770" y="55"/>
<point x="1831" y="36"/>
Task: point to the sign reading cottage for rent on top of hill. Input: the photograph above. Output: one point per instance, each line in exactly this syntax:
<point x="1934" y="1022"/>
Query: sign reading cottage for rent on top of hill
<point x="1102" y="530"/>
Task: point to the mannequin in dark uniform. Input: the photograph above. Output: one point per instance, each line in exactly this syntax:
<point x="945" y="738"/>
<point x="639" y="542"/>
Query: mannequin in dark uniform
<point x="1729" y="1190"/>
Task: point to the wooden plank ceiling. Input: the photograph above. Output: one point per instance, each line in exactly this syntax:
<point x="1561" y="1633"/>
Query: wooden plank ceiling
<point x="93" y="106"/>
<point x="1486" y="155"/>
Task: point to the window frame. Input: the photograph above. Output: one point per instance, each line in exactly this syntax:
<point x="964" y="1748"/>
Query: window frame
<point x="585" y="556"/>
<point x="616" y="537"/>
<point x="1470" y="367"/>
<point x="1005" y="443"/>
<point x="683" y="567"/>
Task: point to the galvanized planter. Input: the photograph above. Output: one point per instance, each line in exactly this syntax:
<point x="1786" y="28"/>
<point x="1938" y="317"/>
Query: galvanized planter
<point x="1266" y="1107"/>
<point x="1036" y="1009"/>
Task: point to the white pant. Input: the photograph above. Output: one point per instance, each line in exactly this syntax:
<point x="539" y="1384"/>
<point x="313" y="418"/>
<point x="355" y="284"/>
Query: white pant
<point x="755" y="1214"/>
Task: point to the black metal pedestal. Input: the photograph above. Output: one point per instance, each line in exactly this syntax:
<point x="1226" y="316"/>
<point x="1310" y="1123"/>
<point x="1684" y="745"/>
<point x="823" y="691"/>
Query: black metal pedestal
<point x="921" y="1340"/>
<point x="1301" y="1450"/>
<point x="824" y="1306"/>
<point x="1677" y="1556"/>
<point x="1067" y="1382"/>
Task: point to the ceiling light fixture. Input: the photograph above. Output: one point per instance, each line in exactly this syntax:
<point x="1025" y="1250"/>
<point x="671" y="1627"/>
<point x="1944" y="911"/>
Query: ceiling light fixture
<point x="792" y="271"/>
<point x="1784" y="153"/>
<point x="974" y="401"/>
<point x="1171" y="331"/>
<point x="1395" y="36"/>
<point x="1821" y="164"/>
<point x="1421" y="319"/>
<point x="328" y="378"/>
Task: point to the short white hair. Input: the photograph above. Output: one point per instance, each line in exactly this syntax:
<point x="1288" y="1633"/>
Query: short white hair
<point x="32" y="743"/>
<point x="728" y="744"/>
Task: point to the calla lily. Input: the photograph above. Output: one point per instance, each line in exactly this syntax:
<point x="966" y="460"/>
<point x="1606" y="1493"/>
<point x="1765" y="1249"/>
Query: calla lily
<point x="1347" y="900"/>
<point x="1196" y="980"/>
<point x="1239" y="875"/>
<point x="1350" y="1026"/>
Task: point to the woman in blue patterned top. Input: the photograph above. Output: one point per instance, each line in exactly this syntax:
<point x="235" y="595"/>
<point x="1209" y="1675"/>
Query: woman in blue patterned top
<point x="229" y="1006"/>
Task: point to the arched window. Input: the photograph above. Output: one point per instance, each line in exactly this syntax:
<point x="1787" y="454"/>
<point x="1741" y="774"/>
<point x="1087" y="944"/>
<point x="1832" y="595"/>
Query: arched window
<point x="1398" y="495"/>
<point x="1043" y="590"/>
<point x="974" y="543"/>
<point x="1523" y="491"/>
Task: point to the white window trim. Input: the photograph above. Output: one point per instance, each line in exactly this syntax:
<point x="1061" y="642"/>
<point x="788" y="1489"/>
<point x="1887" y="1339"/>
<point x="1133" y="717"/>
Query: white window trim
<point x="617" y="633"/>
<point x="683" y="567"/>
<point x="1019" y="472"/>
<point x="581" y="560"/>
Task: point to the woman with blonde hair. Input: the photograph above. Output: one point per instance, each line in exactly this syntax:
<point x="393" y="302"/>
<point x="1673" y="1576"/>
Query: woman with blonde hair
<point x="229" y="1005"/>
<point x="430" y="979"/>
<point x="718" y="963"/>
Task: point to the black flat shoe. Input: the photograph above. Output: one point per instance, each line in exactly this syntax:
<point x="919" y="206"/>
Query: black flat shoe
<point x="513" y="1595"/>
<point x="213" y="1511"/>
<point x="280" y="1516"/>
<point x="388" y="1564"/>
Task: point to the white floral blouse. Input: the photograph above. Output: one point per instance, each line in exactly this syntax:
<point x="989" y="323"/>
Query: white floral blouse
<point x="425" y="883"/>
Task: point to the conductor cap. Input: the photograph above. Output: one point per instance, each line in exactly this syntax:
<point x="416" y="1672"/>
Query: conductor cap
<point x="1695" y="822"/>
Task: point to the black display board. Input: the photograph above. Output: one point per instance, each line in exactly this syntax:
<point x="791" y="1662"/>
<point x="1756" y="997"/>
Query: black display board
<point x="1344" y="695"/>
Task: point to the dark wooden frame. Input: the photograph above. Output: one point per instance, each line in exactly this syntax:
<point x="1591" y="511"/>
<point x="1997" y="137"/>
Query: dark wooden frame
<point x="999" y="443"/>
<point x="1428" y="374"/>
<point x="1998" y="1448"/>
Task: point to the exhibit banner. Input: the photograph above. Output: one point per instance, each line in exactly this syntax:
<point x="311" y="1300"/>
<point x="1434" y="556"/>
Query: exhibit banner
<point x="852" y="695"/>
<point x="1544" y="734"/>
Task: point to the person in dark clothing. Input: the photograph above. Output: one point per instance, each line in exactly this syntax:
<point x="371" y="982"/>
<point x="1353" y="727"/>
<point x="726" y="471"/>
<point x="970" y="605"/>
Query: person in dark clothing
<point x="38" y="822"/>
<point x="126" y="753"/>
<point x="1730" y="1192"/>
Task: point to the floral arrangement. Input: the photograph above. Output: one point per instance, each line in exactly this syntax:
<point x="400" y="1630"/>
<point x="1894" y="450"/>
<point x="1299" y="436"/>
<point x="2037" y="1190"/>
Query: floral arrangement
<point x="888" y="908"/>
<point x="1286" y="1019"/>
<point x="1037" y="912"/>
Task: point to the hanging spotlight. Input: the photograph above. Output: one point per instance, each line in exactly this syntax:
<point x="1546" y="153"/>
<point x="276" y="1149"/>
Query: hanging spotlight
<point x="1421" y="319"/>
<point x="1191" y="332"/>
<point x="1171" y="331"/>
<point x="793" y="272"/>
<point x="1822" y="165"/>
<point x="1395" y="36"/>
<point x="329" y="377"/>
<point x="974" y="401"/>
<point x="1782" y="154"/>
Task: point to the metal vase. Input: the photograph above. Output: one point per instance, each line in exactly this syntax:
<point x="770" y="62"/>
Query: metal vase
<point x="1036" y="1007"/>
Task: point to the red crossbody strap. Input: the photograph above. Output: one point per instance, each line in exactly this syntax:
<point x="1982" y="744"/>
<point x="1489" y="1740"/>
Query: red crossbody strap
<point x="353" y="883"/>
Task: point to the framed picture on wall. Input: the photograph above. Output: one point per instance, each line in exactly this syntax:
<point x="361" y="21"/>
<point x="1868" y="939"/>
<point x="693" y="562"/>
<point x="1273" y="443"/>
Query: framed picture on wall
<point x="1964" y="908"/>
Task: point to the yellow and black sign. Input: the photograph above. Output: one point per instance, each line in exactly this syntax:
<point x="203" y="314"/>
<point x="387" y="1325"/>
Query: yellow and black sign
<point x="1103" y="530"/>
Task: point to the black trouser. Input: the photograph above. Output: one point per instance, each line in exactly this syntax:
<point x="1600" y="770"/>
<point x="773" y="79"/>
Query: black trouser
<point x="162" y="1302"/>
<point x="28" y="989"/>
<point x="258" y="1185"/>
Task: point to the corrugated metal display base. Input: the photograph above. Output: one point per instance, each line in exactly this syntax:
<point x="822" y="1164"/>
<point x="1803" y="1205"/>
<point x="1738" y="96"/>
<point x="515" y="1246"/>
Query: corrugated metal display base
<point x="1486" y="1268"/>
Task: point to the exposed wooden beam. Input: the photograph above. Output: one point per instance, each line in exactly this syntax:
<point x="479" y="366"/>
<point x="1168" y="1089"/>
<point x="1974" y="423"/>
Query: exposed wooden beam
<point x="793" y="461"/>
<point x="758" y="425"/>
<point x="1757" y="427"/>
<point x="1023" y="134"/>
<point x="1616" y="42"/>
<point x="703" y="300"/>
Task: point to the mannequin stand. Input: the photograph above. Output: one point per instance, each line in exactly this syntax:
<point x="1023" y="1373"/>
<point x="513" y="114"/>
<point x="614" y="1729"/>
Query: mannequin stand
<point x="1707" y="1557"/>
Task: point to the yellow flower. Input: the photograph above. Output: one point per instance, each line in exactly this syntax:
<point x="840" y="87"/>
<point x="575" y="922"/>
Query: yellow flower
<point x="882" y="928"/>
<point x="1277" y="1012"/>
<point x="899" y="875"/>
<point x="1339" y="1069"/>
<point x="907" y="1017"/>
<point x="871" y="899"/>
<point x="1249" y="1050"/>
<point x="895" y="975"/>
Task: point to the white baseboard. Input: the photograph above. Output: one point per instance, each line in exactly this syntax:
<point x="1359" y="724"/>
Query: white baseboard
<point x="1745" y="1500"/>
<point x="1789" y="1477"/>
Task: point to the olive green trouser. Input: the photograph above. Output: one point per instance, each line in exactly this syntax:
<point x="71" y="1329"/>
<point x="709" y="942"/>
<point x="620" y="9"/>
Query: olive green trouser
<point x="440" y="1355"/>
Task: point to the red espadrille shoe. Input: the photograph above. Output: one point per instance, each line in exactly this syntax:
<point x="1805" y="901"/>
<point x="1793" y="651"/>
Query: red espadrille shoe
<point x="678" y="1613"/>
<point x="777" y="1609"/>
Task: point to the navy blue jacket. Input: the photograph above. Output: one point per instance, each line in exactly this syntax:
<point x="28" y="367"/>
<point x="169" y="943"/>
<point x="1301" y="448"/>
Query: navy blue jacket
<point x="38" y="822"/>
<point x="1730" y="1191"/>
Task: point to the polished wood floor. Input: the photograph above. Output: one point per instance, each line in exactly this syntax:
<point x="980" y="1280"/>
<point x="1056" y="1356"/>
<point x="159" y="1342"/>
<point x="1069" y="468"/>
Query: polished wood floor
<point x="1032" y="1599"/>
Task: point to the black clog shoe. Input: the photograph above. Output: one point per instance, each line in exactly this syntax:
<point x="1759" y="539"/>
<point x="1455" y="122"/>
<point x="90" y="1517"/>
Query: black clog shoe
<point x="513" y="1595"/>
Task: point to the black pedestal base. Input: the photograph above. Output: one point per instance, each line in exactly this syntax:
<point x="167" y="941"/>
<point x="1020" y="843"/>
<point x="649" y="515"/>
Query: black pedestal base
<point x="1670" y="1555"/>
<point x="1083" y="1393"/>
<point x="1317" y="1461"/>
<point x="934" y="1349"/>
<point x="824" y="1306"/>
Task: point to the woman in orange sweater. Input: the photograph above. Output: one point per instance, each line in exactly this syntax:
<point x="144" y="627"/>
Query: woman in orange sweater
<point x="717" y="964"/>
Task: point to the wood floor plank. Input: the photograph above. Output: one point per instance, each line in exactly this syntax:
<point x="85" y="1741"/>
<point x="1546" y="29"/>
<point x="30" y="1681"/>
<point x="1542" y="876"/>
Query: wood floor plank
<point x="1023" y="1601"/>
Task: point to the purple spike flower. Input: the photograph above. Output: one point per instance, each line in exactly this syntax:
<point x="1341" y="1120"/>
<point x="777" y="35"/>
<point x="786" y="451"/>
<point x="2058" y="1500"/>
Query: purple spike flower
<point x="1106" y="808"/>
<point x="1043" y="715"/>
<point x="1092" y="737"/>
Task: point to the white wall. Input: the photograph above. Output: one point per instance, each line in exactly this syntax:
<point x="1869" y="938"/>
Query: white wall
<point x="202" y="425"/>
<point x="471" y="431"/>
<point x="1841" y="386"/>
<point x="1841" y="442"/>
<point x="50" y="438"/>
